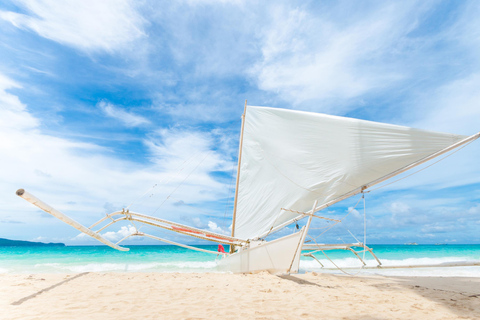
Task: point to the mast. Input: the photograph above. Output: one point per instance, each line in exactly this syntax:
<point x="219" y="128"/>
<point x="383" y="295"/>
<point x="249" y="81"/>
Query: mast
<point x="238" y="173"/>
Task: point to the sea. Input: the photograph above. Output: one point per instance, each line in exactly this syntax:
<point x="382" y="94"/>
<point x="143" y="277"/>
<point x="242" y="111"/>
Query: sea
<point x="166" y="258"/>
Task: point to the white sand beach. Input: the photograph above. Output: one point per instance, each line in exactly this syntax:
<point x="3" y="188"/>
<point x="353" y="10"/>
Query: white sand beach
<point x="235" y="296"/>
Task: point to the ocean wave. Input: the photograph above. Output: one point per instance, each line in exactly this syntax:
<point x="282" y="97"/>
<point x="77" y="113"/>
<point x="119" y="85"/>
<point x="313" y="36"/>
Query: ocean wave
<point x="174" y="266"/>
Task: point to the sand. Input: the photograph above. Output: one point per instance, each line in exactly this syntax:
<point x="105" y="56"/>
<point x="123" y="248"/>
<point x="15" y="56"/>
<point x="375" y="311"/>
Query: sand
<point x="235" y="296"/>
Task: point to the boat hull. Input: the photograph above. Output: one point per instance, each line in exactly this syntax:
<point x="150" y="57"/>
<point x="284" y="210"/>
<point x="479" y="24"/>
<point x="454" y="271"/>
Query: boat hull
<point x="277" y="256"/>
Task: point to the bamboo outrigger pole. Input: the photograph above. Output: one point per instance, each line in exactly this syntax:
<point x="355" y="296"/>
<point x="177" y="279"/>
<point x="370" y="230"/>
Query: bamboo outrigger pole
<point x="238" y="174"/>
<point x="59" y="215"/>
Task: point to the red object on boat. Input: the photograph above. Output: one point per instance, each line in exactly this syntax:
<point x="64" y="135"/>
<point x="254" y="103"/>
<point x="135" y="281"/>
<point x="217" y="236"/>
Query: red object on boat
<point x="217" y="237"/>
<point x="185" y="230"/>
<point x="221" y="249"/>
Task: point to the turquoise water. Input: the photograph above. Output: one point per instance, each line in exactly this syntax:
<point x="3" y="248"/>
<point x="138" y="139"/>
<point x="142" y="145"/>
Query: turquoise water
<point x="175" y="259"/>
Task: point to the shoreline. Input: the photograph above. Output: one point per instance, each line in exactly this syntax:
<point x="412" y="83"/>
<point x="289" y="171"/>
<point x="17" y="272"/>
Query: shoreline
<point x="117" y="295"/>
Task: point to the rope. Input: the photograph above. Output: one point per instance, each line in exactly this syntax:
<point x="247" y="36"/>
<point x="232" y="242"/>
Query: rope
<point x="348" y="274"/>
<point x="186" y="204"/>
<point x="364" y="236"/>
<point x="182" y="182"/>
<point x="148" y="191"/>
<point x="333" y="225"/>
<point x="273" y="225"/>
<point x="179" y="169"/>
<point x="364" y="226"/>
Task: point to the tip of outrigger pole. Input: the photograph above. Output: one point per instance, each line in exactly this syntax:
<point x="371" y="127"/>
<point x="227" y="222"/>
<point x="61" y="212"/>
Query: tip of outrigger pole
<point x="20" y="192"/>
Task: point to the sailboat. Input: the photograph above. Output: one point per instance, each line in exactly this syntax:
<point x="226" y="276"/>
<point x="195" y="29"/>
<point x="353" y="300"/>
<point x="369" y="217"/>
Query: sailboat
<point x="291" y="165"/>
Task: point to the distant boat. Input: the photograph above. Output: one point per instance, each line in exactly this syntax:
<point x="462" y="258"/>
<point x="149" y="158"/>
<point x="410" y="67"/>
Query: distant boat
<point x="411" y="244"/>
<point x="291" y="165"/>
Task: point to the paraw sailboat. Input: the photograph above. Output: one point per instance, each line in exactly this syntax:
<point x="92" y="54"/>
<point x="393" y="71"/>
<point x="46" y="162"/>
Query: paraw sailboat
<point x="291" y="165"/>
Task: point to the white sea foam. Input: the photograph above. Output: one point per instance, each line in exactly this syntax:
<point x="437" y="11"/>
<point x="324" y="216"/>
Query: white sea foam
<point x="161" y="264"/>
<point x="174" y="266"/>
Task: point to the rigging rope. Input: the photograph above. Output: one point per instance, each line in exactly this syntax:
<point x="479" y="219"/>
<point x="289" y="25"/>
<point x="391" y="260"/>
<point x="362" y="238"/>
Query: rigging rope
<point x="179" y="169"/>
<point x="186" y="204"/>
<point x="364" y="236"/>
<point x="208" y="153"/>
<point x="349" y="274"/>
<point x="364" y="226"/>
<point x="349" y="212"/>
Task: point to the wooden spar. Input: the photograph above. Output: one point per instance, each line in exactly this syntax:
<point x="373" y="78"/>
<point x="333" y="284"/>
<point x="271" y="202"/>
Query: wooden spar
<point x="57" y="214"/>
<point x="169" y="225"/>
<point x="343" y="246"/>
<point x="178" y="244"/>
<point x="304" y="235"/>
<point x="375" y="182"/>
<point x="182" y="226"/>
<point x="238" y="174"/>
<point x="310" y="214"/>
<point x="199" y="236"/>
<point x="440" y="265"/>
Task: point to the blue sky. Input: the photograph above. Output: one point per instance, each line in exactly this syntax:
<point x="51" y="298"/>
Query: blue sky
<point x="104" y="101"/>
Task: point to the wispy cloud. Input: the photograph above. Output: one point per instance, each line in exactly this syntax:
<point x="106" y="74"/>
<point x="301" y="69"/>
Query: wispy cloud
<point x="127" y="118"/>
<point x="328" y="60"/>
<point x="212" y="226"/>
<point x="78" y="177"/>
<point x="120" y="234"/>
<point x="13" y="113"/>
<point x="86" y="25"/>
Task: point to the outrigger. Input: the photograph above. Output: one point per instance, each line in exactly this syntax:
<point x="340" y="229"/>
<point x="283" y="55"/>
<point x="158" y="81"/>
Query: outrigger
<point x="291" y="165"/>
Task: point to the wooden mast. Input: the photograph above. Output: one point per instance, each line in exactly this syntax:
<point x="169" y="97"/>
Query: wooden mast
<point x="238" y="173"/>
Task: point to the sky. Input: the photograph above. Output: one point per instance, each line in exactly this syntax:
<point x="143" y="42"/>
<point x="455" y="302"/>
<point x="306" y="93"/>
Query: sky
<point x="116" y="103"/>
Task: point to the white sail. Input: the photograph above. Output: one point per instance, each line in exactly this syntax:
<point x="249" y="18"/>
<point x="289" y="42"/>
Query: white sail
<point x="292" y="158"/>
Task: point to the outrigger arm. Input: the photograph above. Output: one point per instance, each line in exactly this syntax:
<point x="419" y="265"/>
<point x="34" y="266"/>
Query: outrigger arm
<point x="133" y="216"/>
<point x="57" y="214"/>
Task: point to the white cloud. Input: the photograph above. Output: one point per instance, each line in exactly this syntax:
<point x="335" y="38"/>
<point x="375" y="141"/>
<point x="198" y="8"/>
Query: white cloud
<point x="88" y="25"/>
<point x="81" y="237"/>
<point x="13" y="114"/>
<point x="184" y="150"/>
<point x="212" y="226"/>
<point x="109" y="235"/>
<point x="474" y="210"/>
<point x="354" y="212"/>
<point x="129" y="119"/>
<point x="41" y="239"/>
<point x="80" y="178"/>
<point x="453" y="107"/>
<point x="399" y="208"/>
<point x="438" y="228"/>
<point x="120" y="234"/>
<point x="331" y="60"/>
